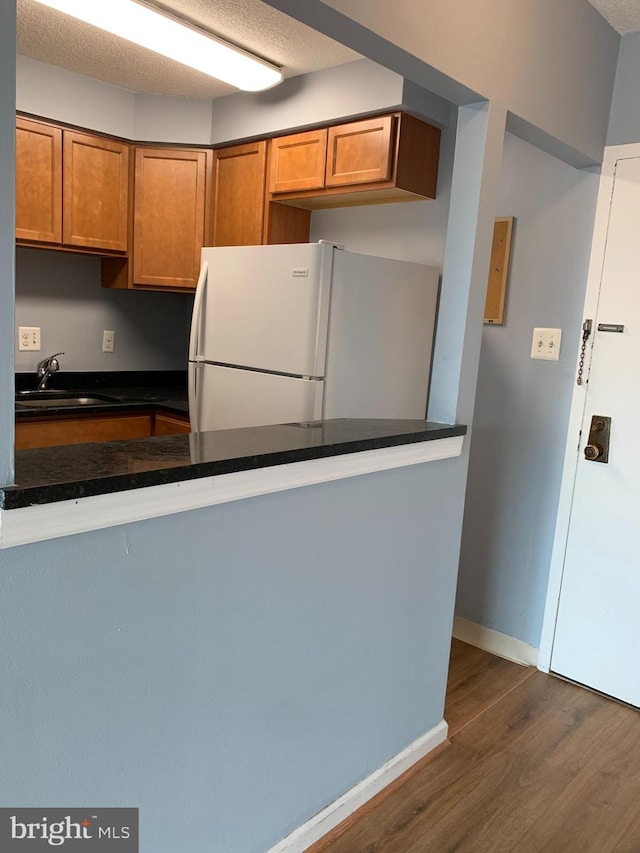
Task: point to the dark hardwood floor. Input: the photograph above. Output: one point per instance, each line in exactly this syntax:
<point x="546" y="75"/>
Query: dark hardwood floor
<point x="535" y="765"/>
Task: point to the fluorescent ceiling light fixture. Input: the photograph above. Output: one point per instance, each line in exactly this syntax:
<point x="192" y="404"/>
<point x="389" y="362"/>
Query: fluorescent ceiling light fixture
<point x="157" y="31"/>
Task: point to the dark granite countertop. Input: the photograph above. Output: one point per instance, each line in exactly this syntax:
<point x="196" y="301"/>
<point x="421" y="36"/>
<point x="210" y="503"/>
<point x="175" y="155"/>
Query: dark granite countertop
<point x="130" y="390"/>
<point x="51" y="474"/>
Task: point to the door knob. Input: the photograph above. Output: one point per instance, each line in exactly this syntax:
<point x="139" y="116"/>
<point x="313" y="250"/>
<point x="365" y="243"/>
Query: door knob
<point x="593" y="452"/>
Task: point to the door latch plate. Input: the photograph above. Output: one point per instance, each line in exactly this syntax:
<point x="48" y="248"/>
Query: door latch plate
<point x="597" y="450"/>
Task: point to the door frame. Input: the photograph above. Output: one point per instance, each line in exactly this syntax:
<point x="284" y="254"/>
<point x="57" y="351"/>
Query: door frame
<point x="612" y="154"/>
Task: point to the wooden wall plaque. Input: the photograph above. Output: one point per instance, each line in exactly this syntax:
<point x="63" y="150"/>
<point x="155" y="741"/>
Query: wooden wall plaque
<point x="498" y="271"/>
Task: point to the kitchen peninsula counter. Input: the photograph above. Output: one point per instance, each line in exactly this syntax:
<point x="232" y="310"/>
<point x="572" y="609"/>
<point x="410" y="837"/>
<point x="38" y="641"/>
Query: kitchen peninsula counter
<point x="68" y="489"/>
<point x="52" y="474"/>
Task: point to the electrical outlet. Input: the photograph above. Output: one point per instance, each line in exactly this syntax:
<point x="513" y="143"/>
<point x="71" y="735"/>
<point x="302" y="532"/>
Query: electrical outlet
<point x="546" y="344"/>
<point x="108" y="341"/>
<point x="28" y="338"/>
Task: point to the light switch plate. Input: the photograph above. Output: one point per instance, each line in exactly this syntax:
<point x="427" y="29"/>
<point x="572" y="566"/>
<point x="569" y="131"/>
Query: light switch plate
<point x="546" y="344"/>
<point x="28" y="338"/>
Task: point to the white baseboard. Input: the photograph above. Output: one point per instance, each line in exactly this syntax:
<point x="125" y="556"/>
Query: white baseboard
<point x="326" y="820"/>
<point x="493" y="641"/>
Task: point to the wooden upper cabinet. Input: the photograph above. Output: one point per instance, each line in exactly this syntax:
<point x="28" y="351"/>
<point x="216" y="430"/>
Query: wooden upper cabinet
<point x="148" y="210"/>
<point x="169" y="216"/>
<point x="38" y="182"/>
<point x="371" y="161"/>
<point x="360" y="152"/>
<point x="96" y="192"/>
<point x="415" y="167"/>
<point x="71" y="188"/>
<point x="297" y="162"/>
<point x="239" y="174"/>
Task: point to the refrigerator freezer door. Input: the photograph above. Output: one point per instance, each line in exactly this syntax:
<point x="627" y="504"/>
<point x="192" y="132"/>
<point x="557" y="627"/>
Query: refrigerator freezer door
<point x="228" y="398"/>
<point x="267" y="307"/>
<point x="381" y="331"/>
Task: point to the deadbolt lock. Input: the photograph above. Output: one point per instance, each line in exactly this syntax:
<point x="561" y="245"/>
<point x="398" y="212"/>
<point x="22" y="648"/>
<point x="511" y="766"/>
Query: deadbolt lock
<point x="597" y="449"/>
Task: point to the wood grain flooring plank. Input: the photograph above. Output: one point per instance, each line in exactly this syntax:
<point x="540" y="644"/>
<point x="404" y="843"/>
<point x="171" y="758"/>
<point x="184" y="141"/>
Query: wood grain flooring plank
<point x="326" y="841"/>
<point x="523" y="780"/>
<point x="630" y="841"/>
<point x="476" y="680"/>
<point x="464" y="662"/>
<point x="597" y="808"/>
<point x="544" y="766"/>
<point x="530" y="704"/>
<point x="428" y="796"/>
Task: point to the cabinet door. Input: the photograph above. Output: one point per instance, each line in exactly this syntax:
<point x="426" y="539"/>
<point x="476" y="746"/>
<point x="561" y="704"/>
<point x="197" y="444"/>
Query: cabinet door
<point x="168" y="216"/>
<point x="96" y="192"/>
<point x="52" y="432"/>
<point x="38" y="182"/>
<point x="297" y="162"/>
<point x="238" y="194"/>
<point x="360" y="152"/>
<point x="170" y="425"/>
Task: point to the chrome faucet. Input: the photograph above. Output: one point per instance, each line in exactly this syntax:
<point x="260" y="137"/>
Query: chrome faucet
<point x="46" y="367"/>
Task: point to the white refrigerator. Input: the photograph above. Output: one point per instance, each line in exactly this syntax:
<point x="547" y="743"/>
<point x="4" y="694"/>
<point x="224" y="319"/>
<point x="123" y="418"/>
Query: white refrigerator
<point x="300" y="332"/>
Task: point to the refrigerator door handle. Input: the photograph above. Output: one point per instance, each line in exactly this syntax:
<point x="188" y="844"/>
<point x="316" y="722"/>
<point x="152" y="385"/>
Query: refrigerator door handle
<point x="194" y="419"/>
<point x="196" y="318"/>
<point x="195" y="359"/>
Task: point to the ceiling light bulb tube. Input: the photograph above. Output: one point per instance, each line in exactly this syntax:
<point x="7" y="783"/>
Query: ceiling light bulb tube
<point x="157" y="31"/>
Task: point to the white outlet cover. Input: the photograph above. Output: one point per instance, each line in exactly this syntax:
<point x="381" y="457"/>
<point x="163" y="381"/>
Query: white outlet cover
<point x="28" y="338"/>
<point x="108" y="341"/>
<point x="545" y="344"/>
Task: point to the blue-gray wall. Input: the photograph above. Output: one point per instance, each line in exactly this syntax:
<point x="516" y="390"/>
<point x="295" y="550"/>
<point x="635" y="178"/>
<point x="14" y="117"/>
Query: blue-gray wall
<point x="230" y="670"/>
<point x="163" y="661"/>
<point x="62" y="95"/>
<point x="7" y="232"/>
<point x="552" y="64"/>
<point x="346" y="90"/>
<point x="354" y="88"/>
<point x="624" y="122"/>
<point x="522" y="406"/>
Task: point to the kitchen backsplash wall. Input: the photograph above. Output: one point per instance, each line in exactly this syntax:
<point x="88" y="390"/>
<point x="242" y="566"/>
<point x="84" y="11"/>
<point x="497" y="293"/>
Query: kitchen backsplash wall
<point x="61" y="294"/>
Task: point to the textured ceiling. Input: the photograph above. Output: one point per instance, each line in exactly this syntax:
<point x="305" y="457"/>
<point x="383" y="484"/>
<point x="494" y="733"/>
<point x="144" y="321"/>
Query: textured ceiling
<point x="52" y="37"/>
<point x="623" y="15"/>
<point x="57" y="39"/>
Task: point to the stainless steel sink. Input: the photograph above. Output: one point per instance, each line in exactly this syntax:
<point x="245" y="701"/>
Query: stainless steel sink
<point x="50" y="398"/>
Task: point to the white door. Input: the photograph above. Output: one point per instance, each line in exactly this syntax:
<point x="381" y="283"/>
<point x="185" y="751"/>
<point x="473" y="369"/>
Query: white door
<point x="597" y="636"/>
<point x="267" y="307"/>
<point x="227" y="398"/>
